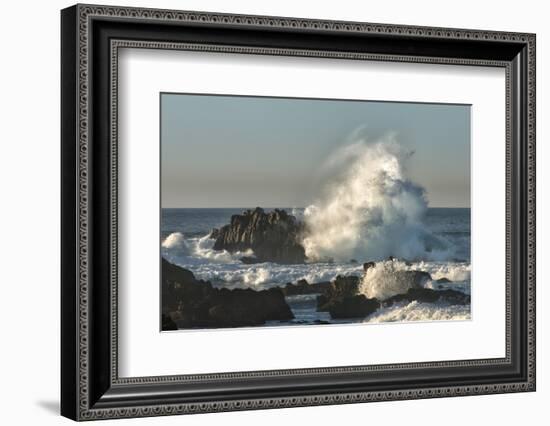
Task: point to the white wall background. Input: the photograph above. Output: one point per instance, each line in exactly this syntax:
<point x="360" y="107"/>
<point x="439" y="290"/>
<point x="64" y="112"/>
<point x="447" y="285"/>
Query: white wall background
<point x="29" y="225"/>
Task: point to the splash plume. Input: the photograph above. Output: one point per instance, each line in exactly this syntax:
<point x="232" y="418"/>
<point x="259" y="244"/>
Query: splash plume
<point x="373" y="211"/>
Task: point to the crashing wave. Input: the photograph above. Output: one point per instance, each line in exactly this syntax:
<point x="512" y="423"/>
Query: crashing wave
<point x="373" y="211"/>
<point x="176" y="241"/>
<point x="390" y="278"/>
<point x="176" y="245"/>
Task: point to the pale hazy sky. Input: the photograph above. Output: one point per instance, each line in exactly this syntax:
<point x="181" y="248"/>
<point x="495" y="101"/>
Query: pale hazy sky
<point x="229" y="151"/>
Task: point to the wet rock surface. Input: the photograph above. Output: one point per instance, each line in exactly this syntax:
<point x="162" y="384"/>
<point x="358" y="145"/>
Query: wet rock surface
<point x="358" y="306"/>
<point x="342" y="299"/>
<point x="191" y="303"/>
<point x="273" y="236"/>
<point x="427" y="295"/>
<point x="303" y="287"/>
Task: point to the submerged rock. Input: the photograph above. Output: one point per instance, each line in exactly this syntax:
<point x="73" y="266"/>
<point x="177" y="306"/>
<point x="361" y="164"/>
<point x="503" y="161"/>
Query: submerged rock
<point x="191" y="303"/>
<point x="273" y="236"/>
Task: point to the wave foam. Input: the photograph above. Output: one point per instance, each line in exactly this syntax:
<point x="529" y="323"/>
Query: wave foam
<point x="389" y="278"/>
<point x="175" y="241"/>
<point x="416" y="311"/>
<point x="458" y="271"/>
<point x="199" y="249"/>
<point x="224" y="268"/>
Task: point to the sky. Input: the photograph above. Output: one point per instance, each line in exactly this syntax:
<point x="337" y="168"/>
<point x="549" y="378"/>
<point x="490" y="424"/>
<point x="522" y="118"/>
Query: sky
<point x="240" y="151"/>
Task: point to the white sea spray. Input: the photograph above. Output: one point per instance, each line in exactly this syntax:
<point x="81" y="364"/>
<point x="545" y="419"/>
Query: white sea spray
<point x="386" y="279"/>
<point x="372" y="210"/>
<point x="176" y="241"/>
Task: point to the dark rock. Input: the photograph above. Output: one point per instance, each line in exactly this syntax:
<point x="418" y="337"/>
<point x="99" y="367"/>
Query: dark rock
<point x="358" y="306"/>
<point x="427" y="295"/>
<point x="343" y="286"/>
<point x="273" y="236"/>
<point x="179" y="276"/>
<point x="180" y="286"/>
<point x="249" y="260"/>
<point x="368" y="265"/>
<point x="420" y="277"/>
<point x="443" y="280"/>
<point x="455" y="297"/>
<point x="168" y="323"/>
<point x="353" y="261"/>
<point x="322" y="302"/>
<point x="340" y="288"/>
<point x="303" y="287"/>
<point x="246" y="307"/>
<point x="192" y="303"/>
<point x="342" y="299"/>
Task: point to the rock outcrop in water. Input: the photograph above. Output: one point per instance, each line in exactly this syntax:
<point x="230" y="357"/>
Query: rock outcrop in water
<point x="273" y="236"/>
<point x="385" y="279"/>
<point x="344" y="286"/>
<point x="427" y="295"/>
<point x="342" y="299"/>
<point x="191" y="303"/>
<point x="303" y="287"/>
<point x="358" y="306"/>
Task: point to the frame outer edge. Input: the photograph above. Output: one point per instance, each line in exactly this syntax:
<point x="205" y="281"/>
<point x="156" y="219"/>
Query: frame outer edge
<point x="83" y="207"/>
<point x="83" y="13"/>
<point x="531" y="201"/>
<point x="69" y="221"/>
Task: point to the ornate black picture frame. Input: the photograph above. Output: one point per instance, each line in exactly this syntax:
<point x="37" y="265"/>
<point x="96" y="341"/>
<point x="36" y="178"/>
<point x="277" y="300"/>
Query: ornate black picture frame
<point x="91" y="387"/>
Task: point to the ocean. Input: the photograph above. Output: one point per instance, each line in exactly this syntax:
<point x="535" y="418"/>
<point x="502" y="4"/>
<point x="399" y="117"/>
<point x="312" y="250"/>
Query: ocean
<point x="441" y="248"/>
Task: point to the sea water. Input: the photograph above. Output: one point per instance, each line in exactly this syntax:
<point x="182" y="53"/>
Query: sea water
<point x="185" y="241"/>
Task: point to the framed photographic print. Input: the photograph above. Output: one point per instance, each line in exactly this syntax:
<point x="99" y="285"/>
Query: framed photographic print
<point x="263" y="212"/>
